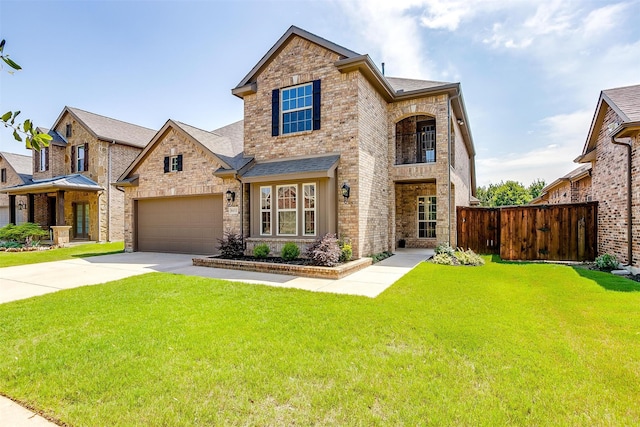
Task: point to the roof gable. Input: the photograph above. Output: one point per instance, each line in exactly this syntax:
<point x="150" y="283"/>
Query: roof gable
<point x="223" y="149"/>
<point x="108" y="129"/>
<point x="281" y="43"/>
<point x="20" y="163"/>
<point x="625" y="101"/>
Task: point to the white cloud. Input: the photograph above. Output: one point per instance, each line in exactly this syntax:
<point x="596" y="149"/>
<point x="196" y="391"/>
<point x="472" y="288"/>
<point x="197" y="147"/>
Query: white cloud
<point x="563" y="136"/>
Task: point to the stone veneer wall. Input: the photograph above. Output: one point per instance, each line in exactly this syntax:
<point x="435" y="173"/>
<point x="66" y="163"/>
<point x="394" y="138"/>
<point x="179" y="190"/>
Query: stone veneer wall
<point x="609" y="188"/>
<point x="301" y="61"/>
<point x="196" y="178"/>
<point x="560" y="193"/>
<point x="12" y="179"/>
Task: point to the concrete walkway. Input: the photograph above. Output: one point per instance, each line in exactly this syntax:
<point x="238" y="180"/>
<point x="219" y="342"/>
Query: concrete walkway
<point x="37" y="279"/>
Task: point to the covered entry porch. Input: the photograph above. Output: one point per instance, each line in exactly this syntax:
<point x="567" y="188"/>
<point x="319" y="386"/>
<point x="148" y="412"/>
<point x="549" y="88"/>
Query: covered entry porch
<point x="65" y="204"/>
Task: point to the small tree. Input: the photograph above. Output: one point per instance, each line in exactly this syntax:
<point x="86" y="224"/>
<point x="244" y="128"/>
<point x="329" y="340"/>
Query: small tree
<point x="32" y="137"/>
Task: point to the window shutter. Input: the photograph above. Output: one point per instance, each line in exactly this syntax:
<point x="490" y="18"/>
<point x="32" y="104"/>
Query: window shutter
<point x="86" y="156"/>
<point x="316" y="104"/>
<point x="166" y="164"/>
<point x="46" y="158"/>
<point x="275" y="112"/>
<point x="73" y="159"/>
<point x="179" y="162"/>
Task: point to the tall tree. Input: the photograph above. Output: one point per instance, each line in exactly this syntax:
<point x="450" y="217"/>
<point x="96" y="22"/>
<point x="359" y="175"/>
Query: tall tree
<point x="535" y="189"/>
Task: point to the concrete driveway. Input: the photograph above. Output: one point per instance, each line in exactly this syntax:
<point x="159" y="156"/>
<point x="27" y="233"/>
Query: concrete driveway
<point x="37" y="279"/>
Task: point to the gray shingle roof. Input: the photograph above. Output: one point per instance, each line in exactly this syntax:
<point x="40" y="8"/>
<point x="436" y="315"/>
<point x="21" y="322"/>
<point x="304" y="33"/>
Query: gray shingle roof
<point x="20" y="163"/>
<point x="109" y="129"/>
<point x="216" y="143"/>
<point x="66" y="182"/>
<point x="408" y="85"/>
<point x="234" y="133"/>
<point x="56" y="138"/>
<point x="627" y="99"/>
<point x="315" y="164"/>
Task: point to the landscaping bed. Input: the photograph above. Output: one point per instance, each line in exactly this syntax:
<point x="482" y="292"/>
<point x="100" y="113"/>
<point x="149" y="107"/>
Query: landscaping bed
<point x="299" y="267"/>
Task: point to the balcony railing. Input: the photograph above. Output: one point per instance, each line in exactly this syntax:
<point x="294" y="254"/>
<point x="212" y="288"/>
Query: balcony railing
<point x="419" y="147"/>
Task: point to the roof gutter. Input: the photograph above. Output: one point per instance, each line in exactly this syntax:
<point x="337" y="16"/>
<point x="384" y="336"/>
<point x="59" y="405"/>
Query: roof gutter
<point x="627" y="144"/>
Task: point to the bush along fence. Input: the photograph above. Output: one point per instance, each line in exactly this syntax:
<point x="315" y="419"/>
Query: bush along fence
<point x="566" y="232"/>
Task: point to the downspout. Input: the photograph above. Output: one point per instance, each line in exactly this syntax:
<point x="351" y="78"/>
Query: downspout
<point x="457" y="95"/>
<point x="627" y="144"/>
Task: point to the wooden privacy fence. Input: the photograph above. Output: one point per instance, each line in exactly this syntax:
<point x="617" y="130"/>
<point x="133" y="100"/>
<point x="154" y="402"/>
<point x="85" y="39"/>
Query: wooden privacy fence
<point x="565" y="232"/>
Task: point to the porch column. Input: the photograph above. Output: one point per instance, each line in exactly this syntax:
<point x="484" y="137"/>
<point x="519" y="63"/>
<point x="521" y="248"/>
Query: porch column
<point x="12" y="209"/>
<point x="31" y="208"/>
<point x="60" y="208"/>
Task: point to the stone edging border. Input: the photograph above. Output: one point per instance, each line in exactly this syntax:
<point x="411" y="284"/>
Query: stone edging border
<point x="333" y="273"/>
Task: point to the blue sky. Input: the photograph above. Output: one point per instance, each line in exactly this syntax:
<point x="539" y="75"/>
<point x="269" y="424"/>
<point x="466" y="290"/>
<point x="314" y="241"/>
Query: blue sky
<point x="531" y="70"/>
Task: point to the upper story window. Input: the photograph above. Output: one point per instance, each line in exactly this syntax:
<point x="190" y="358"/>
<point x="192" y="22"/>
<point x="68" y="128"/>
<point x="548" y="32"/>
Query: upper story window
<point x="296" y="109"/>
<point x="67" y="132"/>
<point x="44" y="159"/>
<point x="3" y="175"/>
<point x="173" y="163"/>
<point x="80" y="157"/>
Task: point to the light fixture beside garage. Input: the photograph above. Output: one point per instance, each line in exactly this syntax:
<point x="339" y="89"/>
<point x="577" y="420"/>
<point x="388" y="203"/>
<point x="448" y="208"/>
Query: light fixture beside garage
<point x="231" y="197"/>
<point x="346" y="191"/>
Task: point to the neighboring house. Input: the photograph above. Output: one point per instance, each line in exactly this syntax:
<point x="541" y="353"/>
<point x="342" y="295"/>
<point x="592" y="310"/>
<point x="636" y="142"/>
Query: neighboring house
<point x="72" y="176"/>
<point x="613" y="150"/>
<point x="574" y="187"/>
<point x="15" y="169"/>
<point x="330" y="145"/>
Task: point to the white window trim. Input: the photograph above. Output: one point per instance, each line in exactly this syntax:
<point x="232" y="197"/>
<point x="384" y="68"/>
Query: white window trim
<point x="43" y="159"/>
<point x="292" y="110"/>
<point x="426" y="214"/>
<point x="80" y="160"/>
<point x="173" y="164"/>
<point x="270" y="210"/>
<point x="278" y="210"/>
<point x="305" y="210"/>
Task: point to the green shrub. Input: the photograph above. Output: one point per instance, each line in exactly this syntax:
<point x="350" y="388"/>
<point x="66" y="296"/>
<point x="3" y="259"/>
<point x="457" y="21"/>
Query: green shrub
<point x="8" y="245"/>
<point x="380" y="256"/>
<point x="290" y="251"/>
<point x="469" y="257"/>
<point x="444" y="259"/>
<point x="25" y="233"/>
<point x="606" y="262"/>
<point x="231" y="246"/>
<point x="261" y="251"/>
<point x="445" y="248"/>
<point x="324" y="251"/>
<point x="346" y="252"/>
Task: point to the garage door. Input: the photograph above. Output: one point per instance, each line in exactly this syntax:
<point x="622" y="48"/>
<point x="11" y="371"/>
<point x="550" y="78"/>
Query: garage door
<point x="189" y="225"/>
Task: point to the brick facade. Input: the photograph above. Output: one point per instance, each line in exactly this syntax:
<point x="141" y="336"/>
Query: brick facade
<point x="196" y="178"/>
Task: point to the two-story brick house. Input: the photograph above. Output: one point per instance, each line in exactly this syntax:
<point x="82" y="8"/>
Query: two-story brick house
<point x="15" y="169"/>
<point x="613" y="149"/>
<point x="574" y="187"/>
<point x="330" y="145"/>
<point x="72" y="176"/>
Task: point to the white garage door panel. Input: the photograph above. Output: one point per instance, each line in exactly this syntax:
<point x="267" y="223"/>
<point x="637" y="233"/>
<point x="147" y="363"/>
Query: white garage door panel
<point x="182" y="224"/>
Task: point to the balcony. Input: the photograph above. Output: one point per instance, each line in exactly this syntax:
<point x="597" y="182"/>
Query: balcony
<point x="417" y="147"/>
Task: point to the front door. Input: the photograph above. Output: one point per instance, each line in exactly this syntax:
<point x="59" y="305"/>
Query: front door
<point x="81" y="220"/>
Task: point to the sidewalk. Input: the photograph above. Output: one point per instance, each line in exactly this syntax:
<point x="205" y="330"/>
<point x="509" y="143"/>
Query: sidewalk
<point x="37" y="279"/>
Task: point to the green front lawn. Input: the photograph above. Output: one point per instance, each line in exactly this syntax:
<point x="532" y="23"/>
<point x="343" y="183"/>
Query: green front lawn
<point x="9" y="259"/>
<point x="503" y="344"/>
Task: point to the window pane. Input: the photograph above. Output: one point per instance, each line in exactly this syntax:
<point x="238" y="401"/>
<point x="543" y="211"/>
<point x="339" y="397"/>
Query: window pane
<point x="310" y="222"/>
<point x="287" y="222"/>
<point x="266" y="223"/>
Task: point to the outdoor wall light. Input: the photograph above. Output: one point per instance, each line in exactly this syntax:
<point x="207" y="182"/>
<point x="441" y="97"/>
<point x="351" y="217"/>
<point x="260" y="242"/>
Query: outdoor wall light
<point x="460" y="122"/>
<point x="22" y="205"/>
<point x="231" y="197"/>
<point x="346" y="191"/>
